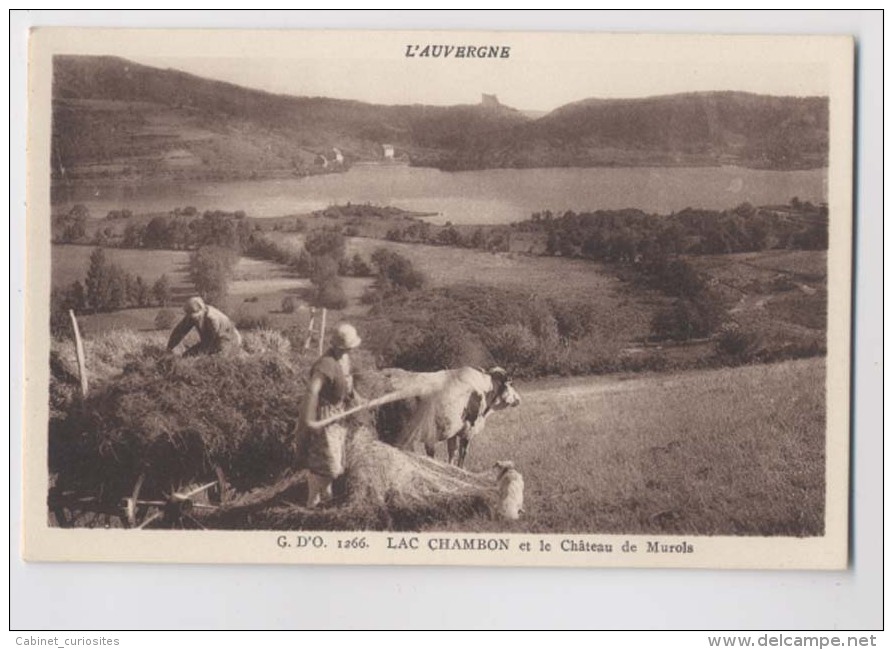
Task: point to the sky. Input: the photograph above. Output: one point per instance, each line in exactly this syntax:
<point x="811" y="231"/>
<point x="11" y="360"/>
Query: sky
<point x="540" y="75"/>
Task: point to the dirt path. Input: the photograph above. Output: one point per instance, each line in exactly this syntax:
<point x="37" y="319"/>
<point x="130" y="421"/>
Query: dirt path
<point x="564" y="388"/>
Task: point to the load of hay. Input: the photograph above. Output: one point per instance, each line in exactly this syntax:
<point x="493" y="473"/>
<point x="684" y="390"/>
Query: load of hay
<point x="177" y="419"/>
<point x="383" y="488"/>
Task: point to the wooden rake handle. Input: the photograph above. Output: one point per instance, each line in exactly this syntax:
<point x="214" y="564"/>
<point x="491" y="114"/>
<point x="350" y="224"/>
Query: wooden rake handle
<point x="396" y="396"/>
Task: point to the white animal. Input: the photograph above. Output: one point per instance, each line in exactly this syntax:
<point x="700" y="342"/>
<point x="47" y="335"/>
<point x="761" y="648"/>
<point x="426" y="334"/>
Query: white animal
<point x="511" y="491"/>
<point x="451" y="405"/>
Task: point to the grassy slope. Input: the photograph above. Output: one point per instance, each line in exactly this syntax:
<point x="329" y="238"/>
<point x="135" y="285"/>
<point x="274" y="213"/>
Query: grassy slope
<point x="781" y="293"/>
<point x="721" y="452"/>
<point x="624" y="313"/>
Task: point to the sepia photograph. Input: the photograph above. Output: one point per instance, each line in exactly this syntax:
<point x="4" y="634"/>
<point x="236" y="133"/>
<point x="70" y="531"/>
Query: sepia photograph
<point x="439" y="298"/>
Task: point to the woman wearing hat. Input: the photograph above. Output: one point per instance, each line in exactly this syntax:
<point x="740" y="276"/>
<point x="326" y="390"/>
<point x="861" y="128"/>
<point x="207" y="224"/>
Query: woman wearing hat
<point x="331" y="388"/>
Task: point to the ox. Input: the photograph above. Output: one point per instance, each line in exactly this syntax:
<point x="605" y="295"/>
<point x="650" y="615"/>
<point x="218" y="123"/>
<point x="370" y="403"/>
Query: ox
<point x="450" y="405"/>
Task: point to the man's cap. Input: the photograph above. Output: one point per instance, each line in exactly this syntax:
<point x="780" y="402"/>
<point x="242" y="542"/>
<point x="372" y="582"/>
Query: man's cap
<point x="345" y="337"/>
<point x="194" y="306"/>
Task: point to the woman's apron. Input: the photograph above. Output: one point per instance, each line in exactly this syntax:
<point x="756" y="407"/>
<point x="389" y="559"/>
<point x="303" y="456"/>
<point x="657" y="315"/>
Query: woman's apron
<point x="325" y="447"/>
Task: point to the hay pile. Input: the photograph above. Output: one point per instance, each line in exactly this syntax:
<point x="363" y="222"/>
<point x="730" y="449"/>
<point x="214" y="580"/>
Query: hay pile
<point x="383" y="489"/>
<point x="178" y="418"/>
<point x="106" y="356"/>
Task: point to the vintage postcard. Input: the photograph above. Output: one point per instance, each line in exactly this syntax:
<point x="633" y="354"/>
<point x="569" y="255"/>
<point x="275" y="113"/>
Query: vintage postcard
<point x="481" y="298"/>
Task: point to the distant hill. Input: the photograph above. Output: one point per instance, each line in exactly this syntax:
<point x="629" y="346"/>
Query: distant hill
<point x="687" y="129"/>
<point x="111" y="114"/>
<point x="116" y="118"/>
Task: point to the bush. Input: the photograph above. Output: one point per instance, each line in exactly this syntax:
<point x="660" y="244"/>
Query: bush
<point x="325" y="243"/>
<point x="165" y="319"/>
<point x="446" y="345"/>
<point x="359" y="268"/>
<point x="675" y="278"/>
<point x="161" y="290"/>
<point x="252" y="321"/>
<point x="573" y="319"/>
<point x="687" y="319"/>
<point x="396" y="272"/>
<point x="542" y="323"/>
<point x="211" y="268"/>
<point x="289" y="304"/>
<point x="513" y="346"/>
<point x="331" y="295"/>
<point x="322" y="269"/>
<point x="733" y="341"/>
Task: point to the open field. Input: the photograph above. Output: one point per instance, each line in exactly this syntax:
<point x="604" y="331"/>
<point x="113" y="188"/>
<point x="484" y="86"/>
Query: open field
<point x="777" y="297"/>
<point x="744" y="270"/>
<point x="622" y="311"/>
<point x="446" y="266"/>
<point x="257" y="288"/>
<point x="782" y="293"/>
<point x="720" y="452"/>
<point x="70" y="262"/>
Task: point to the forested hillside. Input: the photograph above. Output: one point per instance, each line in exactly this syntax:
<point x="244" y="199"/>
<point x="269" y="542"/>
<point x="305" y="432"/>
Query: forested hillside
<point x="115" y="118"/>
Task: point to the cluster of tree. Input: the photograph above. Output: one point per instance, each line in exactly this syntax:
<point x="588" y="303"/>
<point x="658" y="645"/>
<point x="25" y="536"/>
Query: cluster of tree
<point x="70" y="227"/>
<point x="118" y="214"/>
<point x="216" y="239"/>
<point x="395" y="274"/>
<point x="185" y="232"/>
<point x="106" y="287"/>
<point x="323" y="259"/>
<point x="627" y="236"/>
<point x="326" y="249"/>
<point x="327" y="242"/>
<point x="432" y="329"/>
<point x="421" y="232"/>
<point x="360" y="211"/>
<point x="696" y="310"/>
<point x="355" y="267"/>
<point x="211" y="269"/>
<point x="280" y="251"/>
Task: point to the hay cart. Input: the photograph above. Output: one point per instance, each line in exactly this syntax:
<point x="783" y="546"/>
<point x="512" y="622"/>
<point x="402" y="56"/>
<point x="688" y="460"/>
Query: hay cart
<point x="178" y="479"/>
<point x="151" y="501"/>
<point x="146" y="504"/>
<point x="83" y="497"/>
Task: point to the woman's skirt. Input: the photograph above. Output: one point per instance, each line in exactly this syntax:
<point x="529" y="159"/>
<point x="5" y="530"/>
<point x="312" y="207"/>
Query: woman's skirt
<point x="322" y="450"/>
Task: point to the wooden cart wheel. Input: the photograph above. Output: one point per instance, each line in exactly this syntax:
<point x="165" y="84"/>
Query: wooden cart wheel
<point x="57" y="508"/>
<point x="178" y="507"/>
<point x="71" y="509"/>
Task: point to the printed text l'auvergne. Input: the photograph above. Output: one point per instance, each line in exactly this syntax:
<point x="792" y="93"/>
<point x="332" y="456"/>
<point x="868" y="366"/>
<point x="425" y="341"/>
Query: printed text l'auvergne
<point x="426" y="50"/>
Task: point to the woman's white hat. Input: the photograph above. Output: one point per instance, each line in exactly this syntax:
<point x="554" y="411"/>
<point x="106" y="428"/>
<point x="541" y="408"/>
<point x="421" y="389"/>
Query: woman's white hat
<point x="345" y="337"/>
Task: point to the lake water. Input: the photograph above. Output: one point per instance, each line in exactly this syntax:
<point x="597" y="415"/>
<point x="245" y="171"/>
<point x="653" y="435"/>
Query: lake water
<point x="488" y="196"/>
